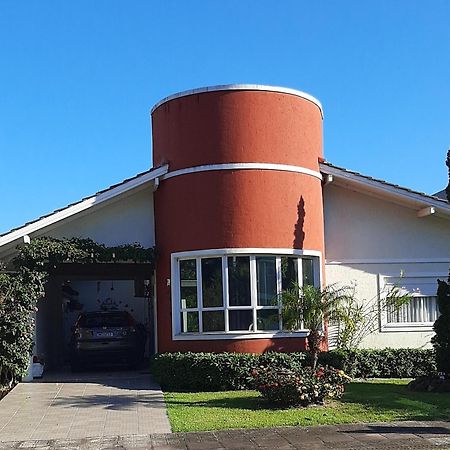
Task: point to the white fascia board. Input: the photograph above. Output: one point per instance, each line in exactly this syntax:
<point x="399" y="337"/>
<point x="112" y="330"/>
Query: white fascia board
<point x="408" y="199"/>
<point x="89" y="202"/>
<point x="241" y="87"/>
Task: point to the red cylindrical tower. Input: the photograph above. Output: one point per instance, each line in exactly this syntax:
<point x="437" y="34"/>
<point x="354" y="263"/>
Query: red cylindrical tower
<point x="243" y="179"/>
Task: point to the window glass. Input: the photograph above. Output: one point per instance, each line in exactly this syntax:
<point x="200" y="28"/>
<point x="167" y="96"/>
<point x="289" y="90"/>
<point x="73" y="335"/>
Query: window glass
<point x="268" y="319"/>
<point x="266" y="279"/>
<point x="189" y="322"/>
<point x="308" y="272"/>
<point x="241" y="320"/>
<point x="213" y="321"/>
<point x="239" y="280"/>
<point x="418" y="309"/>
<point x="289" y="272"/>
<point x="188" y="283"/>
<point x="252" y="293"/>
<point x="212" y="282"/>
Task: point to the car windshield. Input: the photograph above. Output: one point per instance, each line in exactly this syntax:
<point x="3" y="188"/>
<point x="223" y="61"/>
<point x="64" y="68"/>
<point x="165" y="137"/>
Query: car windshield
<point x="119" y="319"/>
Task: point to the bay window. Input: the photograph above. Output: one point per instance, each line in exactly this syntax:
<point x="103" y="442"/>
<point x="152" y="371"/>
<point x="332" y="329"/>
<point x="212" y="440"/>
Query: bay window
<point x="235" y="293"/>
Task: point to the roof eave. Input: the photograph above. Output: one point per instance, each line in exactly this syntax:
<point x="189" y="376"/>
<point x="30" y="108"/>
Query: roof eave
<point x="89" y="202"/>
<point x="396" y="194"/>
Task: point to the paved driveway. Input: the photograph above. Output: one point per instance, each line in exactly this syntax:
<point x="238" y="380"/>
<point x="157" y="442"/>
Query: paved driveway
<point x="101" y="404"/>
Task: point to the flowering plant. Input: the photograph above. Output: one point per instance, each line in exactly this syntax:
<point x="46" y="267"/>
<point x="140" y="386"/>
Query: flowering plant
<point x="300" y="387"/>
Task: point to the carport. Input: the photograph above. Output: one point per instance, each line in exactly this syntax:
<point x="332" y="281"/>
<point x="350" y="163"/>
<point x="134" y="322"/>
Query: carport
<point x="76" y="288"/>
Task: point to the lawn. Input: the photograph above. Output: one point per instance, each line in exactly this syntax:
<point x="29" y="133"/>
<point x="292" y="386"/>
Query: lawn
<point x="368" y="401"/>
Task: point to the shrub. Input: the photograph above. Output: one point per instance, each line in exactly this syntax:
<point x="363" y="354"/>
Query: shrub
<point x="18" y="296"/>
<point x="229" y="371"/>
<point x="216" y="371"/>
<point x="382" y="363"/>
<point x="441" y="340"/>
<point x="302" y="387"/>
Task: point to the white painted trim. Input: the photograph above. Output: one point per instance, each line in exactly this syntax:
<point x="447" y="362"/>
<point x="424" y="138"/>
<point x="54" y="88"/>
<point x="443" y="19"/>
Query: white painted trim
<point x="427" y="211"/>
<point x="239" y="335"/>
<point x="386" y="190"/>
<point x="407" y="274"/>
<point x="244" y="166"/>
<point x="241" y="87"/>
<point x="383" y="281"/>
<point x="389" y="261"/>
<point x="224" y="252"/>
<point x="95" y="200"/>
<point x="246" y="251"/>
<point x="406" y="326"/>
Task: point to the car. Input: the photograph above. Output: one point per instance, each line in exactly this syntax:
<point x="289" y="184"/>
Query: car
<point x="111" y="337"/>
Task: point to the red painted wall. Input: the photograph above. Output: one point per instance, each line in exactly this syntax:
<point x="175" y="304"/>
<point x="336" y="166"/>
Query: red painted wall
<point x="235" y="208"/>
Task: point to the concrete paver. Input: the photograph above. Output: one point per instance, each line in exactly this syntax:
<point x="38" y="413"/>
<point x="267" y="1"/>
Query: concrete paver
<point x="385" y="436"/>
<point x="64" y="406"/>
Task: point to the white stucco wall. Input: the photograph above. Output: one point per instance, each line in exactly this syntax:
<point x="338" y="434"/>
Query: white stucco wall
<point x="367" y="239"/>
<point x="125" y="220"/>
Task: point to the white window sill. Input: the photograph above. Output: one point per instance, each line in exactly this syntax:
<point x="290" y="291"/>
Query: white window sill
<point x="237" y="336"/>
<point x="407" y="326"/>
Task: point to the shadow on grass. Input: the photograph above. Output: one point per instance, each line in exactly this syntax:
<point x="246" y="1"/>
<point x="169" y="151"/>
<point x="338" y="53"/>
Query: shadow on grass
<point x="387" y="397"/>
<point x="380" y="399"/>
<point x="243" y="402"/>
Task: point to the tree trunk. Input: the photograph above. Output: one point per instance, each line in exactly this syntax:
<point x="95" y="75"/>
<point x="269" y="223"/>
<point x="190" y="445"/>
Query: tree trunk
<point x="314" y="341"/>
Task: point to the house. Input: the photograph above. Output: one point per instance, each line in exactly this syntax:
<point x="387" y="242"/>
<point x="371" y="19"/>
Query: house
<point x="239" y="204"/>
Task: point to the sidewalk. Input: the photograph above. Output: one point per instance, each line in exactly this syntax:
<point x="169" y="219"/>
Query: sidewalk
<point x="386" y="436"/>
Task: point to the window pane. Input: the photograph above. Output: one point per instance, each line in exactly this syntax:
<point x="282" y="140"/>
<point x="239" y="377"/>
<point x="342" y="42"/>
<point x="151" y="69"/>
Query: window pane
<point x="189" y="322"/>
<point x="241" y="320"/>
<point x="266" y="279"/>
<point x="188" y="283"/>
<point x="213" y="321"/>
<point x="239" y="280"/>
<point x="268" y="319"/>
<point x="308" y="272"/>
<point x="289" y="272"/>
<point x="418" y="309"/>
<point x="212" y="282"/>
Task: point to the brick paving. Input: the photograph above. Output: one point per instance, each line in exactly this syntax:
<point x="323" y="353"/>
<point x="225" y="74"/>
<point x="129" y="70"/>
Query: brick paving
<point x="383" y="436"/>
<point x="64" y="406"/>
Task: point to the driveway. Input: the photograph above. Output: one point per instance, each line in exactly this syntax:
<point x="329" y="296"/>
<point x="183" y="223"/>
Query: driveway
<point x="64" y="406"/>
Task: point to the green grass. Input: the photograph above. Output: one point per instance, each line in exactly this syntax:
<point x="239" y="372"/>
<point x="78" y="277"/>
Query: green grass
<point x="368" y="401"/>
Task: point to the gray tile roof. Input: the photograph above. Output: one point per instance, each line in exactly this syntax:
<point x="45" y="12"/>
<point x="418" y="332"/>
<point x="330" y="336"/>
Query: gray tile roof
<point x="435" y="197"/>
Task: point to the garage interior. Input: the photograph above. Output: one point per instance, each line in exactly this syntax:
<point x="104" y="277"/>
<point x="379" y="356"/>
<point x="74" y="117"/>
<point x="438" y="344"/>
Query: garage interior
<point x="77" y="288"/>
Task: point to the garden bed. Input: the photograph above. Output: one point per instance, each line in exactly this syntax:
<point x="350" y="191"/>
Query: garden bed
<point x="379" y="400"/>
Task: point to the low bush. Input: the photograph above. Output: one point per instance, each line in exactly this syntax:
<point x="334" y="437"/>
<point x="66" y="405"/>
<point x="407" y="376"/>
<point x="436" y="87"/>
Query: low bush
<point x="217" y="371"/>
<point x="230" y="371"/>
<point x="382" y="363"/>
<point x="301" y="387"/>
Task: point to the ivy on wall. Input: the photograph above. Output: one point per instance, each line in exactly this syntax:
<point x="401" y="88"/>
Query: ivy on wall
<point x="21" y="289"/>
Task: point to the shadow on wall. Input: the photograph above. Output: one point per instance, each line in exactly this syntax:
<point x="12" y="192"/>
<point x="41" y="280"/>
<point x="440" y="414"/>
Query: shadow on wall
<point x="299" y="234"/>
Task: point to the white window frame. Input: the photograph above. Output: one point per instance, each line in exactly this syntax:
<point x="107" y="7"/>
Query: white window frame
<point x="384" y="281"/>
<point x="224" y="253"/>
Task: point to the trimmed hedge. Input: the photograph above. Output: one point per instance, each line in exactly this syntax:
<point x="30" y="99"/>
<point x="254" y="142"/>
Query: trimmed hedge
<point x="383" y="363"/>
<point x="231" y="371"/>
<point x="217" y="371"/>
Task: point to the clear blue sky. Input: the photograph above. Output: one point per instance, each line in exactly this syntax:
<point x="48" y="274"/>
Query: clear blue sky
<point x="78" y="79"/>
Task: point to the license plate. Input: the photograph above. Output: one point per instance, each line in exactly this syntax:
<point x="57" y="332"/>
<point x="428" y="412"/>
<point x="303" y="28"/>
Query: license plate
<point x="105" y="334"/>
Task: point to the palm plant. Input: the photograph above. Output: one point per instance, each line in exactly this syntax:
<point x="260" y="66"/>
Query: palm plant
<point x="310" y="307"/>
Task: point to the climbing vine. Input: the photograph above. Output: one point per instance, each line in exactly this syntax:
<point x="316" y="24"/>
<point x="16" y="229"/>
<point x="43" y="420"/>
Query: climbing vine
<point x="22" y="287"/>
